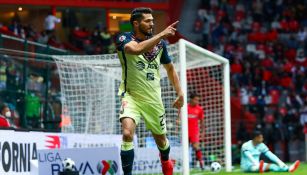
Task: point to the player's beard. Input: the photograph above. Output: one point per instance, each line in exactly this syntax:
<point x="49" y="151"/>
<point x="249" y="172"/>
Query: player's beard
<point x="147" y="32"/>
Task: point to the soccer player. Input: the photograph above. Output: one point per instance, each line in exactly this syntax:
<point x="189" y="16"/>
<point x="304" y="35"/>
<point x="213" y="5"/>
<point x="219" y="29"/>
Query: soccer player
<point x="195" y="117"/>
<point x="250" y="156"/>
<point x="141" y="54"/>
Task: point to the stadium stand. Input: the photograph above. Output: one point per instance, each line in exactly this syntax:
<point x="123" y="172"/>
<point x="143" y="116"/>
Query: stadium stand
<point x="266" y="44"/>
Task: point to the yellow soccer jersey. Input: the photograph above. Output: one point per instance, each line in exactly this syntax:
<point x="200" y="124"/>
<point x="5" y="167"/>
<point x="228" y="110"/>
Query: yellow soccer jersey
<point x="141" y="73"/>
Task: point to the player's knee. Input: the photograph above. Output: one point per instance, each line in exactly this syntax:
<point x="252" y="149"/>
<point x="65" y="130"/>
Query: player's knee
<point x="127" y="135"/>
<point x="254" y="168"/>
<point x="161" y="142"/>
<point x="195" y="146"/>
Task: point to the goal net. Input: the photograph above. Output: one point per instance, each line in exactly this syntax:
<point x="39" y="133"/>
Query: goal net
<point x="89" y="86"/>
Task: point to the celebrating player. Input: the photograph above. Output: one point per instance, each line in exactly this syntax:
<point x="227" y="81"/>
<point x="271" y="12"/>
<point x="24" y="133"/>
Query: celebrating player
<point x="250" y="156"/>
<point x="141" y="54"/>
<point x="195" y="115"/>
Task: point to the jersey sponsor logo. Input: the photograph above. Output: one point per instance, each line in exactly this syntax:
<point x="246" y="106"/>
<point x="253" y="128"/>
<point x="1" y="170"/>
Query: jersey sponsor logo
<point x="192" y="116"/>
<point x="140" y="65"/>
<point x="152" y="66"/>
<point x="122" y="38"/>
<point x="150" y="76"/>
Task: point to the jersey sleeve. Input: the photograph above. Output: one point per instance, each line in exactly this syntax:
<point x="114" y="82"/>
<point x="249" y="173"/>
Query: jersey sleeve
<point x="263" y="148"/>
<point x="244" y="147"/>
<point x="122" y="40"/>
<point x="165" y="58"/>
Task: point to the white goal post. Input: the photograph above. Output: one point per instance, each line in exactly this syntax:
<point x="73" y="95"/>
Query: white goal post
<point x="183" y="45"/>
<point x="89" y="85"/>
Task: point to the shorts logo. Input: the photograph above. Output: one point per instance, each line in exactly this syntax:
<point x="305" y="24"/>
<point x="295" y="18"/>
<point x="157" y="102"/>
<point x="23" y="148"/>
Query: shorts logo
<point x="162" y="122"/>
<point x="122" y="108"/>
<point x="140" y="65"/>
<point x="122" y="38"/>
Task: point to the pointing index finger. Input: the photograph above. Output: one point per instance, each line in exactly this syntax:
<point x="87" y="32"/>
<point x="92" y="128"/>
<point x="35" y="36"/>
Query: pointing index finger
<point x="172" y="25"/>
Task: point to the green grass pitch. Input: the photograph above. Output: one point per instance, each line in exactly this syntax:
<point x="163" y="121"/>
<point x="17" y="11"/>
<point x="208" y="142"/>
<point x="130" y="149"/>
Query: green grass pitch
<point x="302" y="170"/>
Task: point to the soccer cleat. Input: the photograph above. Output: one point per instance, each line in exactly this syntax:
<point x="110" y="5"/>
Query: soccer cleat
<point x="261" y="163"/>
<point x="167" y="167"/>
<point x="294" y="166"/>
<point x="199" y="158"/>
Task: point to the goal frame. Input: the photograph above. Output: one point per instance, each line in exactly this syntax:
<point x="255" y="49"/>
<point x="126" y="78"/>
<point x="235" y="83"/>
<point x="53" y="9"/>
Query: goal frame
<point x="183" y="44"/>
<point x="184" y="53"/>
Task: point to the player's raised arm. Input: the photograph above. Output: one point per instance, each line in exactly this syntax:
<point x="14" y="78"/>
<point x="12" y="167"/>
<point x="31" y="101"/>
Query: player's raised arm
<point x="137" y="48"/>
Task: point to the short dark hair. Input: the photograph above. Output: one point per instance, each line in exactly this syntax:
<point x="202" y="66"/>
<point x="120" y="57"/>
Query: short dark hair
<point x="193" y="95"/>
<point x="137" y="13"/>
<point x="256" y="133"/>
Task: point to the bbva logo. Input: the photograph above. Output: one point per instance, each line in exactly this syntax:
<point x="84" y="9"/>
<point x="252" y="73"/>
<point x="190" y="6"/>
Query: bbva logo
<point x="105" y="167"/>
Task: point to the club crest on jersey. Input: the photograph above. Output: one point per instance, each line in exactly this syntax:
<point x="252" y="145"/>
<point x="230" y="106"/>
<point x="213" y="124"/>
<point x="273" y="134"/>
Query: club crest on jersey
<point x="153" y="53"/>
<point x="122" y="38"/>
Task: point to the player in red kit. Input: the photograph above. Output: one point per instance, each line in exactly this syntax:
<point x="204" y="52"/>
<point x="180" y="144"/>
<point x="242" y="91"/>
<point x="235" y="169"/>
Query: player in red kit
<point x="195" y="118"/>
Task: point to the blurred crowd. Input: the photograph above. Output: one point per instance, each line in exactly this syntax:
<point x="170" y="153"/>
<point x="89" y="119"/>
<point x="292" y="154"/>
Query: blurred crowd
<point x="81" y="40"/>
<point x="30" y="103"/>
<point x="266" y="44"/>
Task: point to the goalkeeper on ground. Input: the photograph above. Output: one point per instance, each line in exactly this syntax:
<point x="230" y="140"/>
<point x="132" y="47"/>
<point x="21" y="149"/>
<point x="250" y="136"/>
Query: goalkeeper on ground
<point x="250" y="157"/>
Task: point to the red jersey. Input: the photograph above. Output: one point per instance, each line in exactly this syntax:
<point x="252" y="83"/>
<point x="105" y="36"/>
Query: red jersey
<point x="195" y="113"/>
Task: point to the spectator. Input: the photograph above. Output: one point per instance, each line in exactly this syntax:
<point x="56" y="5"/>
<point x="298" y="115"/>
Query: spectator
<point x="4" y="114"/>
<point x="96" y="38"/>
<point x="43" y="38"/>
<point x="3" y="76"/>
<point x="66" y="123"/>
<point x="205" y="21"/>
<point x="105" y="39"/>
<point x="15" y="27"/>
<point x="30" y="32"/>
<point x="242" y="134"/>
<point x="49" y="24"/>
<point x="33" y="106"/>
<point x="301" y="35"/>
<point x="303" y="116"/>
<point x="12" y="79"/>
